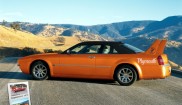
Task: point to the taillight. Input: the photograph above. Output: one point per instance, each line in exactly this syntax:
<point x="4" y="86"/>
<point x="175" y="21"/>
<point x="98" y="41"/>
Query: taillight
<point x="160" y="60"/>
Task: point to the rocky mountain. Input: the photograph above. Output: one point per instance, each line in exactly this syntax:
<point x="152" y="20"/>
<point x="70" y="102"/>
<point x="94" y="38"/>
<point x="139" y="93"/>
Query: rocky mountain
<point x="48" y="30"/>
<point x="137" y="33"/>
<point x="170" y="28"/>
<point x="115" y="31"/>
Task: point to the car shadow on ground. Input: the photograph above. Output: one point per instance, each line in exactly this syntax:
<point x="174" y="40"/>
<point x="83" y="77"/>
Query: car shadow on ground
<point x="176" y="73"/>
<point x="22" y="76"/>
<point x="94" y="81"/>
<point x="14" y="75"/>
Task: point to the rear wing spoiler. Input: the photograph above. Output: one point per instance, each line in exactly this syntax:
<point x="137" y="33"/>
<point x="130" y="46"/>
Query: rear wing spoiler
<point x="157" y="47"/>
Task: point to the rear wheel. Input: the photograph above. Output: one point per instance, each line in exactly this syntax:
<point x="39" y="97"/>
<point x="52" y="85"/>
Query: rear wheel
<point x="125" y="75"/>
<point x="40" y="70"/>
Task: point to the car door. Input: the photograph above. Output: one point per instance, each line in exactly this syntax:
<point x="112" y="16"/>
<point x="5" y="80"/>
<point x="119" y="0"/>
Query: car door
<point x="105" y="61"/>
<point x="79" y="62"/>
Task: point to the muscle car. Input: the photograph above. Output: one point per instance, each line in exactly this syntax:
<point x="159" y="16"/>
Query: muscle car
<point x="17" y="88"/>
<point x="101" y="60"/>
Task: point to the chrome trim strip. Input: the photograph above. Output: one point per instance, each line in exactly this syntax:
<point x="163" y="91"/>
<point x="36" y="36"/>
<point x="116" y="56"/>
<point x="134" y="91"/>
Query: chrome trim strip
<point x="72" y="65"/>
<point x="103" y="66"/>
<point x="81" y="65"/>
<point x="76" y="65"/>
<point x="56" y="65"/>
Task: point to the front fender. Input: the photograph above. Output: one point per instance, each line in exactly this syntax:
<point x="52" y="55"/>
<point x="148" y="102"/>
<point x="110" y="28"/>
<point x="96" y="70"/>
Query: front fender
<point x="49" y="62"/>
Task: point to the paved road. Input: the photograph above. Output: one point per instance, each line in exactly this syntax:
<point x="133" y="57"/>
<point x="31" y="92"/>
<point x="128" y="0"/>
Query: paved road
<point x="91" y="92"/>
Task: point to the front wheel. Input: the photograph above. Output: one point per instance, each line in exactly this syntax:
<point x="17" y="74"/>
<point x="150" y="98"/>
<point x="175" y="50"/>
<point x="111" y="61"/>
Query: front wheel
<point x="40" y="71"/>
<point x="125" y="75"/>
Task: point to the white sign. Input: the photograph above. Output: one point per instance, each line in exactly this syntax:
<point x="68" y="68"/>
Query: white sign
<point x="143" y="61"/>
<point x="19" y="93"/>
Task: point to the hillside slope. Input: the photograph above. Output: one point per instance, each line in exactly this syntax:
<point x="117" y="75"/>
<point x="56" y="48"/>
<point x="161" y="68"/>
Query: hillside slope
<point x="170" y="28"/>
<point x="115" y="31"/>
<point x="49" y="37"/>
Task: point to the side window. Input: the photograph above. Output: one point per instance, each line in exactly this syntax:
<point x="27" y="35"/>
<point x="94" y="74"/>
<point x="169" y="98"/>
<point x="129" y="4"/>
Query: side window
<point x="77" y="49"/>
<point x="92" y="49"/>
<point x="106" y="49"/>
<point x="114" y="51"/>
<point x="86" y="49"/>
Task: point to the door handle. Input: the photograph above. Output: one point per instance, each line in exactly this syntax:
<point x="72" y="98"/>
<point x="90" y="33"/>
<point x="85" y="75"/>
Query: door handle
<point x="91" y="57"/>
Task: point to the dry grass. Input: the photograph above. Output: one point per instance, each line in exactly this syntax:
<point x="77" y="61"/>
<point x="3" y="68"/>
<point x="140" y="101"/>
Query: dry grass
<point x="20" y="39"/>
<point x="51" y="31"/>
<point x="14" y="43"/>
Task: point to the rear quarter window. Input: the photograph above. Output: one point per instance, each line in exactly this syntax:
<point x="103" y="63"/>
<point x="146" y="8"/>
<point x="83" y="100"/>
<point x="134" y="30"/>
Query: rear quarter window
<point x="135" y="49"/>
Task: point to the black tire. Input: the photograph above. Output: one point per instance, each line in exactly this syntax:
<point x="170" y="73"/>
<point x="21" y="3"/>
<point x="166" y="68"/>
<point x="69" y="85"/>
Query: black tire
<point x="125" y="75"/>
<point x="40" y="70"/>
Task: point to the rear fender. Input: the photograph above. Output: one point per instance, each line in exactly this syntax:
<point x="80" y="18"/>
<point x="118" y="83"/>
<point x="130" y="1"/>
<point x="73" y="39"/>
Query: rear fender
<point x="135" y="64"/>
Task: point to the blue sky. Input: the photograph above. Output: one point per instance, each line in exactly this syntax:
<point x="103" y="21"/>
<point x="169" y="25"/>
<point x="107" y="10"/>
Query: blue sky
<point x="87" y="12"/>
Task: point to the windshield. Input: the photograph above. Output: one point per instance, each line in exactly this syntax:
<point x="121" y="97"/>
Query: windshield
<point x="137" y="50"/>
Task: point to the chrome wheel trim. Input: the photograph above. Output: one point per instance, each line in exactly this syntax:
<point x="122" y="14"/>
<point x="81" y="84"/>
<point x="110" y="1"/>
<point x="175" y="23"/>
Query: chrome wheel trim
<point x="40" y="71"/>
<point x="126" y="75"/>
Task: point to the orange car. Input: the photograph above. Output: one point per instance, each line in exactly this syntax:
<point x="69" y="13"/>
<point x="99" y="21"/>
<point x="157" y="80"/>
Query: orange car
<point x="101" y="60"/>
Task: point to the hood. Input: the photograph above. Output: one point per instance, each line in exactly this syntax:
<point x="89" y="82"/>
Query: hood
<point x="38" y="55"/>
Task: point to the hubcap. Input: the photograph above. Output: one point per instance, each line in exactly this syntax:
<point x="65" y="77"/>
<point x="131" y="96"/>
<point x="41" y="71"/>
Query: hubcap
<point x="40" y="71"/>
<point x="125" y="75"/>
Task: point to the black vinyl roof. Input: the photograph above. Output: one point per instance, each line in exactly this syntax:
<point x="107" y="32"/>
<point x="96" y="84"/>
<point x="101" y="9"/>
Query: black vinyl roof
<point x="118" y="46"/>
<point x="101" y="42"/>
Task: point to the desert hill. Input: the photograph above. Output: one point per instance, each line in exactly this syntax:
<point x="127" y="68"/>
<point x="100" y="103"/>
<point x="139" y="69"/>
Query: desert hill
<point x="18" y="39"/>
<point x="50" y="37"/>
